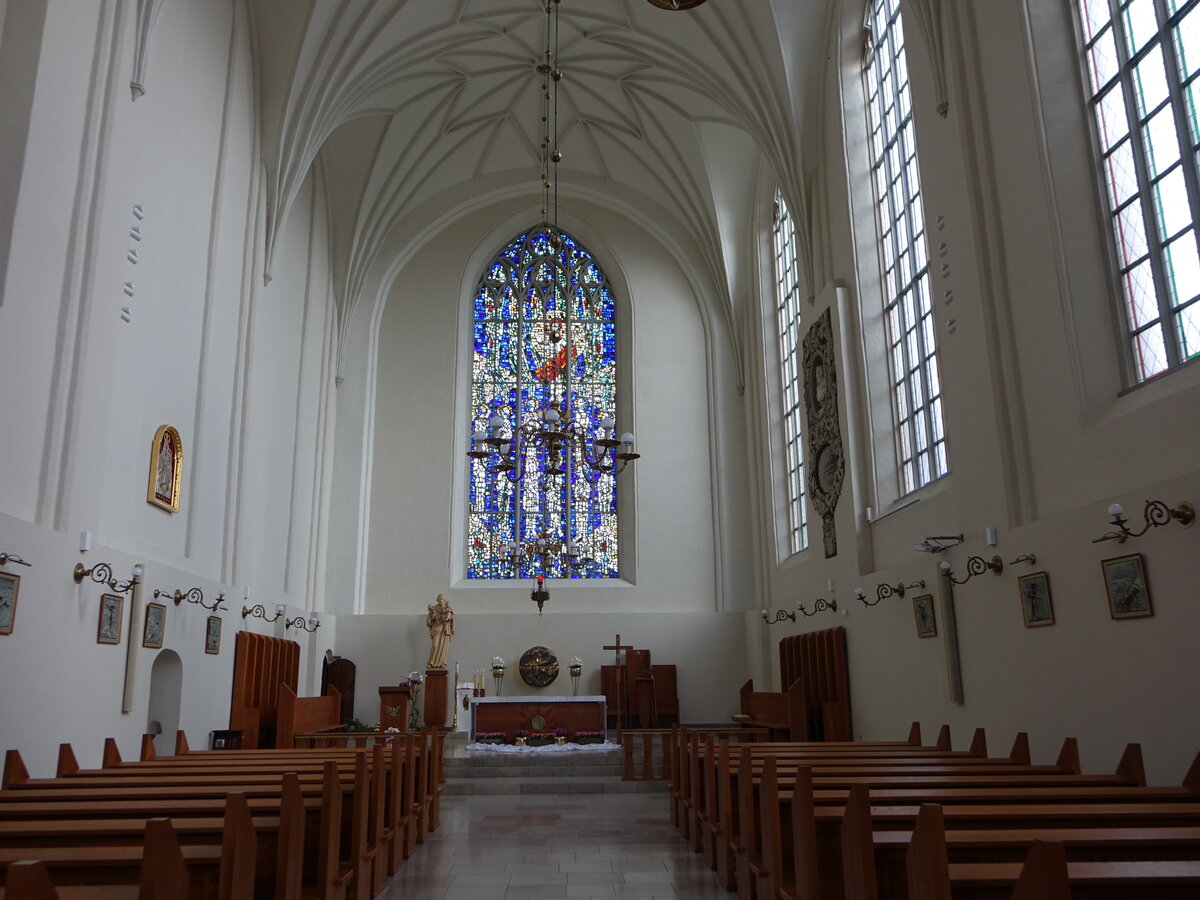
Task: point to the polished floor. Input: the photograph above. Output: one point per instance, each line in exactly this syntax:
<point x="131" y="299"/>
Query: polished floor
<point x="554" y="845"/>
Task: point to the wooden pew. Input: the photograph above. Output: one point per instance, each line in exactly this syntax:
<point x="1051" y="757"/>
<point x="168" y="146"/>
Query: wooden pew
<point x="276" y="792"/>
<point x="783" y="713"/>
<point x="873" y="862"/>
<point x="759" y="814"/>
<point x="224" y="871"/>
<point x="163" y="875"/>
<point x="1051" y="875"/>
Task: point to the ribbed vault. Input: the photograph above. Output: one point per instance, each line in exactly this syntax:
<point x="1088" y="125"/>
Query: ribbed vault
<point x="403" y="102"/>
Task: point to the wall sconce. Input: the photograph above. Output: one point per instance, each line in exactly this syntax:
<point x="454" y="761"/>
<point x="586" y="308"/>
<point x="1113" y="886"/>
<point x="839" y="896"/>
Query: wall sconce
<point x="6" y="558"/>
<point x="539" y="594"/>
<point x="192" y="595"/>
<point x="260" y="612"/>
<point x="1030" y="558"/>
<point x="1156" y="513"/>
<point x="780" y="615"/>
<point x="820" y="606"/>
<point x="976" y="565"/>
<point x="938" y="542"/>
<point x="102" y="573"/>
<point x="311" y="624"/>
<point x="883" y="591"/>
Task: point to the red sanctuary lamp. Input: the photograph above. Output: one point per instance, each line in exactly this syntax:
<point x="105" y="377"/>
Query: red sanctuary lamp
<point x="540" y="595"/>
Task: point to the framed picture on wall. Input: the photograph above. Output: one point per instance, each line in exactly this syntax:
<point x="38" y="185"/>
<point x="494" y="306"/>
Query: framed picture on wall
<point x="1036" y="606"/>
<point x="924" y="614"/>
<point x="212" y="635"/>
<point x="166" y="469"/>
<point x="112" y="608"/>
<point x="1125" y="583"/>
<point x="9" y="588"/>
<point x="156" y="625"/>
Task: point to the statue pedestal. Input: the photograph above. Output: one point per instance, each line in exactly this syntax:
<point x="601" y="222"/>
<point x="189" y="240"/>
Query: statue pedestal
<point x="437" y="698"/>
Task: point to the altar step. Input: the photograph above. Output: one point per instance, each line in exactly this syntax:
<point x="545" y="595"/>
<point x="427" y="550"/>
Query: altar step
<point x="479" y="772"/>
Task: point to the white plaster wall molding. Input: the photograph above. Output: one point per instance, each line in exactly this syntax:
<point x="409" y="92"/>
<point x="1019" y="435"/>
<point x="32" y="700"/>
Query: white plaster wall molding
<point x="147" y="17"/>
<point x="927" y="16"/>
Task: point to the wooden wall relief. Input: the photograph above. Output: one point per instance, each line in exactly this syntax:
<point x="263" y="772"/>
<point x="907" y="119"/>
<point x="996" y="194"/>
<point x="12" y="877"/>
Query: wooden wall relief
<point x="826" y="461"/>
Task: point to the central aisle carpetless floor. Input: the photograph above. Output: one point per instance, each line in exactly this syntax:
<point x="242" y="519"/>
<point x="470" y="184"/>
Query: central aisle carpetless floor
<point x="554" y="845"/>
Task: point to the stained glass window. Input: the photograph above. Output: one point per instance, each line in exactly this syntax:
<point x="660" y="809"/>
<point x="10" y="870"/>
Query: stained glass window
<point x="544" y="336"/>
<point x="908" y="310"/>
<point x="787" y="275"/>
<point x="1142" y="59"/>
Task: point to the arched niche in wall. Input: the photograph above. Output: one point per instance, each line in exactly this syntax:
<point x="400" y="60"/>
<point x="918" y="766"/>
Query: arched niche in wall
<point x="166" y="692"/>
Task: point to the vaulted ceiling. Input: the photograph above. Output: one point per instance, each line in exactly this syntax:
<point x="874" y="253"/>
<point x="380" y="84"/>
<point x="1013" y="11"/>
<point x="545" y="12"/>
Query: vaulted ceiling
<point x="417" y="105"/>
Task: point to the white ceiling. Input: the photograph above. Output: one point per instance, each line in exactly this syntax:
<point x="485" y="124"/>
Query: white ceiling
<point x="665" y="115"/>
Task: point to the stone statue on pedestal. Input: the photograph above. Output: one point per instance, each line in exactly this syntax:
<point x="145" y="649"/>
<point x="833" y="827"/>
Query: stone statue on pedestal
<point x="440" y="622"/>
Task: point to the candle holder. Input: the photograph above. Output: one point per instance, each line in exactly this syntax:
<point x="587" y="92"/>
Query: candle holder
<point x="498" y="673"/>
<point x="1156" y="514"/>
<point x="976" y="565"/>
<point x="576" y="670"/>
<point x="102" y="573"/>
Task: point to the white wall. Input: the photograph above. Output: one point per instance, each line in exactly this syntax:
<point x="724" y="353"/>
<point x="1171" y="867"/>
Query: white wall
<point x="705" y="647"/>
<point x="419" y="469"/>
<point x="240" y="369"/>
<point x="1041" y="439"/>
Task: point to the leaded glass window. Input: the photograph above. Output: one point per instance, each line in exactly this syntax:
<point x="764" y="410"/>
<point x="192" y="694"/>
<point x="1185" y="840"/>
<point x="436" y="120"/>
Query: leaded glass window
<point x="787" y="282"/>
<point x="908" y="310"/>
<point x="1142" y="59"/>
<point x="544" y="336"/>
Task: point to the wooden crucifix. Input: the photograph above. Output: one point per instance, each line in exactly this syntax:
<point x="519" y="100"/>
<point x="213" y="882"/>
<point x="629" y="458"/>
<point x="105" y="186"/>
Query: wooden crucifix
<point x="618" y="675"/>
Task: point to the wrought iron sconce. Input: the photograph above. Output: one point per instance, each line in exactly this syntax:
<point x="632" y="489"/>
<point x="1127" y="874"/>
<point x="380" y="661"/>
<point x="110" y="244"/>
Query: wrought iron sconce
<point x="310" y="624"/>
<point x="780" y="615"/>
<point x="883" y="591"/>
<point x="260" y="612"/>
<point x="820" y="606"/>
<point x="539" y="594"/>
<point x="1156" y="513"/>
<point x="1030" y="558"/>
<point x="192" y="595"/>
<point x="976" y="565"/>
<point x="102" y="573"/>
<point x="6" y="558"/>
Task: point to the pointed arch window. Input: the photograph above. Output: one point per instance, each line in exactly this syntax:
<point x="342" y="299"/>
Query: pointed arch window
<point x="908" y="312"/>
<point x="787" y="298"/>
<point x="544" y="336"/>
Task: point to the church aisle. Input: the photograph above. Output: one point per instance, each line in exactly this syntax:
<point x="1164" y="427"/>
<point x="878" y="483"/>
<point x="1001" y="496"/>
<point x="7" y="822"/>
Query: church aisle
<point x="554" y="845"/>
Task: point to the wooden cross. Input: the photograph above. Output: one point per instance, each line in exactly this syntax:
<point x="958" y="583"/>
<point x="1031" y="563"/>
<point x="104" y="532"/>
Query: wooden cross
<point x="617" y="647"/>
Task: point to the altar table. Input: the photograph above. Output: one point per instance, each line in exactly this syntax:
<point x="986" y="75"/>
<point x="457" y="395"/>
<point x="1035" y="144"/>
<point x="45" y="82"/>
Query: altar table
<point x="508" y="714"/>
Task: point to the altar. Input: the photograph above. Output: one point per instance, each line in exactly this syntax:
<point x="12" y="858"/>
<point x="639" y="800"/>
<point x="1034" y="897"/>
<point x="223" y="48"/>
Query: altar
<point x="507" y="714"/>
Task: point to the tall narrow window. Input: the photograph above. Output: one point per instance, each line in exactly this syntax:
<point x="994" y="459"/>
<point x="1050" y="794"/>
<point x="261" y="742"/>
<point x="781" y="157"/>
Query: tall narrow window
<point x="1142" y="59"/>
<point x="916" y="383"/>
<point x="787" y="282"/>
<point x="545" y="358"/>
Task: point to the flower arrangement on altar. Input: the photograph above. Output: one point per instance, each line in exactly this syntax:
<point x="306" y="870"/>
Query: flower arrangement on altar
<point x="590" y="737"/>
<point x="491" y="737"/>
<point x="415" y="680"/>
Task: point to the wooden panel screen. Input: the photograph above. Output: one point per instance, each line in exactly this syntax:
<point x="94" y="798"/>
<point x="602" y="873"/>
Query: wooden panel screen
<point x="818" y="661"/>
<point x="260" y="665"/>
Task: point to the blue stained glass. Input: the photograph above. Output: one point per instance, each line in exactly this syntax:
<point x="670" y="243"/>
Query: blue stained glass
<point x="524" y="361"/>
